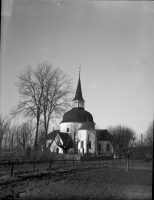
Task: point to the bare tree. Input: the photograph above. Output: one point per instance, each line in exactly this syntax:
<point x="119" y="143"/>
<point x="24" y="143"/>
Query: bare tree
<point x="45" y="94"/>
<point x="149" y="136"/>
<point x="13" y="137"/>
<point x="4" y="127"/>
<point x="25" y="136"/>
<point x="88" y="142"/>
<point x="57" y="90"/>
<point x="122" y="139"/>
<point x="74" y="134"/>
<point x="64" y="141"/>
<point x="31" y="95"/>
<point x="10" y="144"/>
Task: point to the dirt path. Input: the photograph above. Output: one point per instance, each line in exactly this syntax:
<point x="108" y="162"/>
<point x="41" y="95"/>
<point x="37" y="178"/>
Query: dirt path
<point x="107" y="182"/>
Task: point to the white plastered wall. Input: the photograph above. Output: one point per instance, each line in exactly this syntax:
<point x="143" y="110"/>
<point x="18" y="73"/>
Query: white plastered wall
<point x="70" y="125"/>
<point x="53" y="147"/>
<point x="83" y="136"/>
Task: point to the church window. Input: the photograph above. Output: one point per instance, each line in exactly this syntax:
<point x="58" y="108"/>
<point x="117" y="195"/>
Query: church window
<point x="76" y="103"/>
<point x="81" y="144"/>
<point x="89" y="144"/>
<point x="80" y="104"/>
<point x="99" y="147"/>
<point x="108" y="147"/>
<point x="67" y="129"/>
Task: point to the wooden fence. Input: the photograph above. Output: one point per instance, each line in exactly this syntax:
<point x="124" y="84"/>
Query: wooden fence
<point x="63" y="163"/>
<point x="49" y="163"/>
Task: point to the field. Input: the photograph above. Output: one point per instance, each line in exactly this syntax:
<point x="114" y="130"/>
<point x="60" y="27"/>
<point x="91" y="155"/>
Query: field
<point x="108" y="181"/>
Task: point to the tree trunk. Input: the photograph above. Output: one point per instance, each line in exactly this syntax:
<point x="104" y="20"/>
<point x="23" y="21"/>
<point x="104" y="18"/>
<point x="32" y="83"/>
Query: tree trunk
<point x="64" y="151"/>
<point x="46" y="126"/>
<point x="120" y="157"/>
<point x="87" y="149"/>
<point x="74" y="144"/>
<point x="45" y="133"/>
<point x="127" y="163"/>
<point x="36" y="134"/>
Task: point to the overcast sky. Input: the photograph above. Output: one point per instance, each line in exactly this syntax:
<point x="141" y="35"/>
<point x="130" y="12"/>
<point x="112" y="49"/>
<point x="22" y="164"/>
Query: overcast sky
<point x="113" y="41"/>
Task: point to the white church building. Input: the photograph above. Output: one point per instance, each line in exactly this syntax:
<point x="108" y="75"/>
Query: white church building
<point x="78" y="124"/>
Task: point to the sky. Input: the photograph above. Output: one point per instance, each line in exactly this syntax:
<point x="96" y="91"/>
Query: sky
<point x="112" y="40"/>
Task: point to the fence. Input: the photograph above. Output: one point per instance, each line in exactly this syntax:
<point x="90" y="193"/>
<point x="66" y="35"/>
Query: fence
<point x="62" y="163"/>
<point x="53" y="164"/>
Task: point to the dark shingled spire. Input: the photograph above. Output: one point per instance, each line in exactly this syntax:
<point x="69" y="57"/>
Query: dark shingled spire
<point x="78" y="95"/>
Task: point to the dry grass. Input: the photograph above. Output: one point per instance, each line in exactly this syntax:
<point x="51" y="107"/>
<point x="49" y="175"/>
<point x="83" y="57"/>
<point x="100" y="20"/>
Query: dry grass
<point x="106" y="182"/>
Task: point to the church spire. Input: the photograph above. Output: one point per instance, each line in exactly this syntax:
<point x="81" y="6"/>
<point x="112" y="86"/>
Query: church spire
<point x="79" y="101"/>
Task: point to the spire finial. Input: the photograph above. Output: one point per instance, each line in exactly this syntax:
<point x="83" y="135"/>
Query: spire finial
<point x="78" y="95"/>
<point x="80" y="69"/>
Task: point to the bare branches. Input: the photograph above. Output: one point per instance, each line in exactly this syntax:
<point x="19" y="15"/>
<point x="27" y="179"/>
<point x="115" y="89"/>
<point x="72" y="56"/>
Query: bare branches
<point x="25" y="136"/>
<point x="45" y="94"/>
<point x="30" y="95"/>
<point x="122" y="138"/>
<point x="73" y="133"/>
<point x="4" y="127"/>
<point x="149" y="134"/>
<point x="64" y="141"/>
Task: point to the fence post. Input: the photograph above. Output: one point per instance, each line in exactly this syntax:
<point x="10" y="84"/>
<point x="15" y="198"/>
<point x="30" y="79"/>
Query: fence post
<point x="34" y="167"/>
<point x="132" y="159"/>
<point x="50" y="165"/>
<point x="12" y="168"/>
<point x="64" y="164"/>
<point x="73" y="163"/>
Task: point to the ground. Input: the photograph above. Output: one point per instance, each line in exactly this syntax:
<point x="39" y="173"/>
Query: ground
<point x="108" y="181"/>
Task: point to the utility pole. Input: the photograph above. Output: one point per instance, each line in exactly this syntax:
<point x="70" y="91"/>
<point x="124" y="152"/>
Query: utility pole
<point x="141" y="139"/>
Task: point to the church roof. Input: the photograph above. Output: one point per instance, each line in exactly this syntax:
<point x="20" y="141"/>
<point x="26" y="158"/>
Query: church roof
<point x="77" y="115"/>
<point x="78" y="95"/>
<point x="103" y="134"/>
<point x="64" y="136"/>
<point x="87" y="126"/>
<point x="52" y="135"/>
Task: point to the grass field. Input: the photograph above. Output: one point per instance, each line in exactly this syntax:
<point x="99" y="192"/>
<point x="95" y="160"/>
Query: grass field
<point x="108" y="181"/>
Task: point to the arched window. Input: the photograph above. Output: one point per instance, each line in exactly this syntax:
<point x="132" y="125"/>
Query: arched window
<point x="99" y="147"/>
<point x="107" y="147"/>
<point x="89" y="144"/>
<point x="81" y="144"/>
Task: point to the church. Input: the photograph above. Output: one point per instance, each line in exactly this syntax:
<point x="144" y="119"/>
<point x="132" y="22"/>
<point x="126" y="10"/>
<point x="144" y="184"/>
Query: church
<point x="78" y="126"/>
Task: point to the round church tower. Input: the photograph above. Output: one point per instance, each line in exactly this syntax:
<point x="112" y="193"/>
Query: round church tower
<point x="74" y="118"/>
